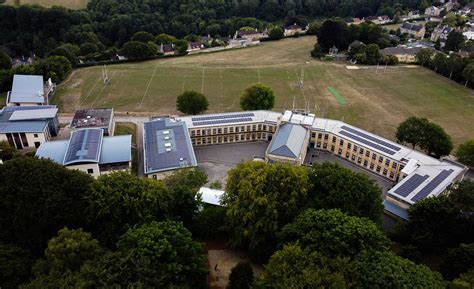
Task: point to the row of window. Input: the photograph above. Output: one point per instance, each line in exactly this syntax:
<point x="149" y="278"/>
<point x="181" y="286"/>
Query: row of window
<point x="232" y="129"/>
<point x="230" y="138"/>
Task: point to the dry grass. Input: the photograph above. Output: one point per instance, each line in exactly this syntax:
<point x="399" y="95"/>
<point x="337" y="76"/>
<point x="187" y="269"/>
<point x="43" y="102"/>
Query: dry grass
<point x="71" y="4"/>
<point x="376" y="102"/>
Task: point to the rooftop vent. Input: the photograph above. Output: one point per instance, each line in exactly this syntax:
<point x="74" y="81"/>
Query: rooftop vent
<point x="181" y="159"/>
<point x="167" y="137"/>
<point x="168" y="150"/>
<point x="168" y="144"/>
<point x="166" y="132"/>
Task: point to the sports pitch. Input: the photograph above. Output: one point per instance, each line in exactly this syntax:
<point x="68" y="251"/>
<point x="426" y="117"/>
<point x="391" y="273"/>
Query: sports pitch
<point x="375" y="101"/>
<point x="71" y="4"/>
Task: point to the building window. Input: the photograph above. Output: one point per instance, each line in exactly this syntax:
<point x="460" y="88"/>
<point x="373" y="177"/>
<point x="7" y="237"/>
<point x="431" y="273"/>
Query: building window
<point x="318" y="144"/>
<point x="374" y="156"/>
<point x="248" y="128"/>
<point x="325" y="145"/>
<point x="341" y="142"/>
<point x="380" y="159"/>
<point x="313" y="134"/>
<point x="339" y="152"/>
<point x="214" y="131"/>
<point x="365" y="163"/>
<point x="198" y="132"/>
<point x="367" y="153"/>
<point x="394" y="165"/>
<point x="154" y="176"/>
<point x="371" y="166"/>
<point x="219" y="140"/>
<point x="384" y="172"/>
<point x="359" y="160"/>
<point x="192" y="133"/>
<point x="348" y="146"/>
<point x="354" y="149"/>
<point x="219" y="130"/>
<point x="225" y="139"/>
<point x="320" y="135"/>
<point x="225" y="130"/>
<point x="259" y="127"/>
<point x="204" y="141"/>
<point x="35" y="135"/>
<point x="236" y="129"/>
<point x="378" y="169"/>
<point x="90" y="171"/>
<point x="353" y="157"/>
<point x="37" y="144"/>
<point x="361" y="150"/>
<point x="326" y="136"/>
<point x="332" y="148"/>
<point x="392" y="175"/>
<point x="231" y="129"/>
<point x="254" y="127"/>
<point x="264" y="127"/>
<point x="333" y="139"/>
<point x="347" y="154"/>
<point x="387" y="162"/>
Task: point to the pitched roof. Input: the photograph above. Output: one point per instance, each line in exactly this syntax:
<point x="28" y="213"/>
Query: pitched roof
<point x="293" y="26"/>
<point x="26" y="118"/>
<point x="400" y="50"/>
<point x="411" y="26"/>
<point x="27" y="88"/>
<point x="287" y="141"/>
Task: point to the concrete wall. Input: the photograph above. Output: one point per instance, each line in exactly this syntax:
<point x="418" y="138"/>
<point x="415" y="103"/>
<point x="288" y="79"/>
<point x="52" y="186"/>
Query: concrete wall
<point x="85" y="167"/>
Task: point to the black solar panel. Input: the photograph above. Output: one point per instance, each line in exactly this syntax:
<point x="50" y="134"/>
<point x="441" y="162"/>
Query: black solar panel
<point x="369" y="143"/>
<point x="423" y="193"/>
<point x="223" y="116"/>
<point x="222" y="121"/>
<point x="84" y="145"/>
<point x="372" y="138"/>
<point x="410" y="185"/>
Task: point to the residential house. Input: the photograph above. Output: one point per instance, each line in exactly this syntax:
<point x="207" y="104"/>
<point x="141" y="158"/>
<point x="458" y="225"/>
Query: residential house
<point x="437" y="19"/>
<point x="384" y="19"/>
<point x="102" y="118"/>
<point x="448" y="6"/>
<point x="412" y="29"/>
<point x="470" y="22"/>
<point x="28" y="90"/>
<point x="414" y="14"/>
<point x="432" y="11"/>
<point x="253" y="35"/>
<point x="355" y="21"/>
<point x="465" y="11"/>
<point x="402" y="53"/>
<point x="441" y="33"/>
<point x="195" y="46"/>
<point x="88" y="150"/>
<point x="469" y="34"/>
<point x="333" y="50"/>
<point x="293" y="29"/>
<point x="167" y="49"/>
<point x="28" y="126"/>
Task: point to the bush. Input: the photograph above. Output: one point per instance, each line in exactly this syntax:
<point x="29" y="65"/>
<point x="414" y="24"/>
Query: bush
<point x="191" y="102"/>
<point x="241" y="276"/>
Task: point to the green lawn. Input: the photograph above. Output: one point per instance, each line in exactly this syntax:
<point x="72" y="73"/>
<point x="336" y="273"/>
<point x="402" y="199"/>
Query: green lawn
<point x="124" y="128"/>
<point x="376" y="102"/>
<point x="71" y="4"/>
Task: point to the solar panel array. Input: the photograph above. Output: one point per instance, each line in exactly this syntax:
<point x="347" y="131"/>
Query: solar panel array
<point x="410" y="185"/>
<point x="222" y="121"/>
<point x="372" y="138"/>
<point x="223" y="116"/>
<point x="84" y="146"/>
<point x="369" y="143"/>
<point x="159" y="160"/>
<point x="423" y="193"/>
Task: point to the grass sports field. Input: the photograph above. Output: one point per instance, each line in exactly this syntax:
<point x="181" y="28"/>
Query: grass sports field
<point x="71" y="4"/>
<point x="374" y="101"/>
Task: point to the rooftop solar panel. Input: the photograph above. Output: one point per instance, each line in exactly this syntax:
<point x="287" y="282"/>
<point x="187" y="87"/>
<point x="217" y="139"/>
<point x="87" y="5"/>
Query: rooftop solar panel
<point x="84" y="146"/>
<point x="223" y="116"/>
<point x="369" y="143"/>
<point x="423" y="193"/>
<point x="410" y="185"/>
<point x="372" y="138"/>
<point x="222" y="121"/>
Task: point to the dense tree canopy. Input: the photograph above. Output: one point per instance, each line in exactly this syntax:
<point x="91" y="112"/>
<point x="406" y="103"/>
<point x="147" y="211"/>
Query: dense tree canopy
<point x="465" y="153"/>
<point x="138" y="50"/>
<point x="261" y="198"/>
<point x="241" y="276"/>
<point x="333" y="186"/>
<point x="256" y="97"/>
<point x="458" y="260"/>
<point x="334" y="233"/>
<point x="31" y="212"/>
<point x="5" y="61"/>
<point x="191" y="102"/>
<point x="15" y="265"/>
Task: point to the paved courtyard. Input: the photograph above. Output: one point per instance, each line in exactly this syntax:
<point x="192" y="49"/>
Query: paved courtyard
<point x="217" y="160"/>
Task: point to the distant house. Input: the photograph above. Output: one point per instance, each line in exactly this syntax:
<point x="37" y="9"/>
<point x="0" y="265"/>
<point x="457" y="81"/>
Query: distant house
<point x="432" y="11"/>
<point x="89" y="151"/>
<point x="384" y="19"/>
<point x="167" y="49"/>
<point x="252" y="35"/>
<point x="414" y="30"/>
<point x="195" y="46"/>
<point x="448" y="6"/>
<point x="293" y="29"/>
<point x="333" y="50"/>
<point x="207" y="39"/>
<point x="403" y="54"/>
<point x="465" y="52"/>
<point x="29" y="90"/>
<point x="465" y="11"/>
<point x="117" y="57"/>
<point x="441" y="33"/>
<point x="414" y="14"/>
<point x="355" y="21"/>
<point x="102" y="118"/>
<point x="22" y="61"/>
<point x="438" y="19"/>
<point x="28" y="126"/>
<point x="470" y="22"/>
<point x="469" y="34"/>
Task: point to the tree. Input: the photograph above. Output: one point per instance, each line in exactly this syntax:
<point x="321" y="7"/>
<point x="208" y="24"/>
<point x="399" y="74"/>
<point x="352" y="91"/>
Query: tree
<point x="54" y="67"/>
<point x="5" y="61"/>
<point x="210" y="222"/>
<point x="424" y="56"/>
<point x="454" y="41"/>
<point x="119" y="201"/>
<point x="60" y="51"/>
<point x="88" y="48"/>
<point x="256" y="97"/>
<point x="162" y="254"/>
<point x="373" y="54"/>
<point x="260" y="199"/>
<point x="316" y="52"/>
<point x="468" y="73"/>
<point x="181" y="46"/>
<point x="293" y="267"/>
<point x="333" y="233"/>
<point x="457" y="261"/>
<point x="275" y="33"/>
<point x="436" y="141"/>
<point x="241" y="276"/>
<point x="165" y="39"/>
<point x="32" y="212"/>
<point x="7" y="152"/>
<point x="335" y="187"/>
<point x="410" y="131"/>
<point x="373" y="269"/>
<point x="313" y="28"/>
<point x="332" y="33"/>
<point x="138" y="50"/>
<point x="464" y="281"/>
<point x="439" y="62"/>
<point x="462" y="195"/>
<point x="143" y="36"/>
<point x="191" y="102"/>
<point x="15" y="265"/>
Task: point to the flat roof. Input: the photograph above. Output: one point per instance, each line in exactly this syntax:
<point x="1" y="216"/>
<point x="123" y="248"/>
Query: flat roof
<point x="116" y="149"/>
<point x="27" y="88"/>
<point x="34" y="114"/>
<point x="231" y="118"/>
<point x="167" y="146"/>
<point x="53" y="150"/>
<point x="92" y="118"/>
<point x="210" y="196"/>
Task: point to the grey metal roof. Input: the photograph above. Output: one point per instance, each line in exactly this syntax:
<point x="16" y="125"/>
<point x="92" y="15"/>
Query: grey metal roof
<point x="84" y="146"/>
<point x="27" y="88"/>
<point x="167" y="146"/>
<point x="24" y="126"/>
<point x="116" y="149"/>
<point x="288" y="141"/>
<point x="53" y="150"/>
<point x="34" y="114"/>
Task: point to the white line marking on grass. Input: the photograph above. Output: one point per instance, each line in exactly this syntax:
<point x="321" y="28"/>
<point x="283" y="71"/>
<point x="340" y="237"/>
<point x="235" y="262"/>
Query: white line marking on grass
<point x="103" y="88"/>
<point x="90" y="92"/>
<point x="202" y="82"/>
<point x="148" y="86"/>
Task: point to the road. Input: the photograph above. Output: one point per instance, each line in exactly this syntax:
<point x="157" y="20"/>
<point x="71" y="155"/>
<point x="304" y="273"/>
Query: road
<point x="137" y="120"/>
